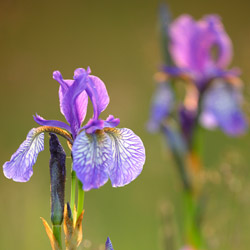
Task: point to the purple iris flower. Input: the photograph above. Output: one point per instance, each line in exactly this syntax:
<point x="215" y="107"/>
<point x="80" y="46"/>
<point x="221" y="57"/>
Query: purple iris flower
<point x="100" y="151"/>
<point x="200" y="49"/>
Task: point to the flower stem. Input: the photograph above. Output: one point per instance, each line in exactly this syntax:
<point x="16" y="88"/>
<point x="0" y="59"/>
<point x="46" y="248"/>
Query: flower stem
<point x="80" y="199"/>
<point x="57" y="234"/>
<point x="73" y="190"/>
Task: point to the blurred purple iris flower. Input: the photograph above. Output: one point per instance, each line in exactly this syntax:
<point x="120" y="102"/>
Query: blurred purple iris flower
<point x="201" y="51"/>
<point x="100" y="151"/>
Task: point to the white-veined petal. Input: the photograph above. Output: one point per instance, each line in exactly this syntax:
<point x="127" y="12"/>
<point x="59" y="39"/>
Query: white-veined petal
<point x="19" y="168"/>
<point x="91" y="159"/>
<point x="128" y="156"/>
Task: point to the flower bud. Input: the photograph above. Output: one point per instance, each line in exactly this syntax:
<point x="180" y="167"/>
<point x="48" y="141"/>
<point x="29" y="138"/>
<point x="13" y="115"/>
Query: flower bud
<point x="57" y="179"/>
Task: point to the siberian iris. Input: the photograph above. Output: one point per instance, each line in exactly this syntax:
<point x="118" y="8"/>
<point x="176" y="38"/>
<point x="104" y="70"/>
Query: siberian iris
<point x="201" y="52"/>
<point x="100" y="151"/>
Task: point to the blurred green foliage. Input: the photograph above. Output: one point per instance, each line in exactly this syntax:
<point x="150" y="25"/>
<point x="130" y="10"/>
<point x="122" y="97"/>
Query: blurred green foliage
<point x="119" y="41"/>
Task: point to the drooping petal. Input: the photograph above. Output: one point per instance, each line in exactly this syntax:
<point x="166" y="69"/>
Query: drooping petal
<point x="192" y="45"/>
<point x="41" y="121"/>
<point x="97" y="92"/>
<point x="221" y="107"/>
<point x="161" y="105"/>
<point x="92" y="158"/>
<point x="73" y="98"/>
<point x="108" y="245"/>
<point x="128" y="155"/>
<point x="19" y="168"/>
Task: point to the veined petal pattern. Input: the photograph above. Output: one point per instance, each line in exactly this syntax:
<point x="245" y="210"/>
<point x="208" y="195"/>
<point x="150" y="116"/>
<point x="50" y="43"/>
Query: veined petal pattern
<point x="91" y="159"/>
<point x="128" y="156"/>
<point x="19" y="168"/>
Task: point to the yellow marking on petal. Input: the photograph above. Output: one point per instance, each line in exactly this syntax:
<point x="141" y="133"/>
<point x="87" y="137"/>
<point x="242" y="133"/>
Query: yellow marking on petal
<point x="53" y="241"/>
<point x="114" y="131"/>
<point x="57" y="131"/>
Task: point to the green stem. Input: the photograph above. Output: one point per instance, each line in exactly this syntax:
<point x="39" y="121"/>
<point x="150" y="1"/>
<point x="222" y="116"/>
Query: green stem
<point x="73" y="190"/>
<point x="80" y="199"/>
<point x="57" y="234"/>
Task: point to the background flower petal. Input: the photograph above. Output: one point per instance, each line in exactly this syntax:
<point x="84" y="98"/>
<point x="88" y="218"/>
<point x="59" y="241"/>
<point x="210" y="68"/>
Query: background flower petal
<point x="161" y="105"/>
<point x="91" y="159"/>
<point x="128" y="156"/>
<point x="192" y="45"/>
<point x="19" y="168"/>
<point x="222" y="106"/>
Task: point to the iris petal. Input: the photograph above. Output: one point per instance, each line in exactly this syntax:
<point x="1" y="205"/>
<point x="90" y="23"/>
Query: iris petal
<point x="41" y="121"/>
<point x="128" y="155"/>
<point x="192" y="45"/>
<point x="96" y="91"/>
<point x="73" y="99"/>
<point x="161" y="105"/>
<point x="222" y="107"/>
<point x="108" y="245"/>
<point x="91" y="159"/>
<point x="19" y="168"/>
<point x="98" y="94"/>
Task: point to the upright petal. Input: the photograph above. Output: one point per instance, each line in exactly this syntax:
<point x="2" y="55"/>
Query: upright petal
<point x="98" y="94"/>
<point x="128" y="155"/>
<point x="192" y="45"/>
<point x="161" y="105"/>
<point x="19" y="168"/>
<point x="81" y="100"/>
<point x="96" y="91"/>
<point x="108" y="245"/>
<point x="92" y="158"/>
<point x="221" y="107"/>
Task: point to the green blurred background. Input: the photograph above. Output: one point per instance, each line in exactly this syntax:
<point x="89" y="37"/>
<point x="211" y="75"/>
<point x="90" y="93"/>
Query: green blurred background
<point x="119" y="41"/>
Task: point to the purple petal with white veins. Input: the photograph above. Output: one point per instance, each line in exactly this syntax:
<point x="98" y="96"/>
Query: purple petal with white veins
<point x="91" y="159"/>
<point x="221" y="106"/>
<point x="19" y="168"/>
<point x="128" y="156"/>
<point x="41" y="121"/>
<point x="79" y="104"/>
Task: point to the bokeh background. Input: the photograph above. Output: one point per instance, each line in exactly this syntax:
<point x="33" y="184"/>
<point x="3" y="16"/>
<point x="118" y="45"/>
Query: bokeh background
<point x="119" y="41"/>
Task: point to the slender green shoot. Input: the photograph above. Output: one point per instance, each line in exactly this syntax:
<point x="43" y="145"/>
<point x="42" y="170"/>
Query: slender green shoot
<point x="80" y="199"/>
